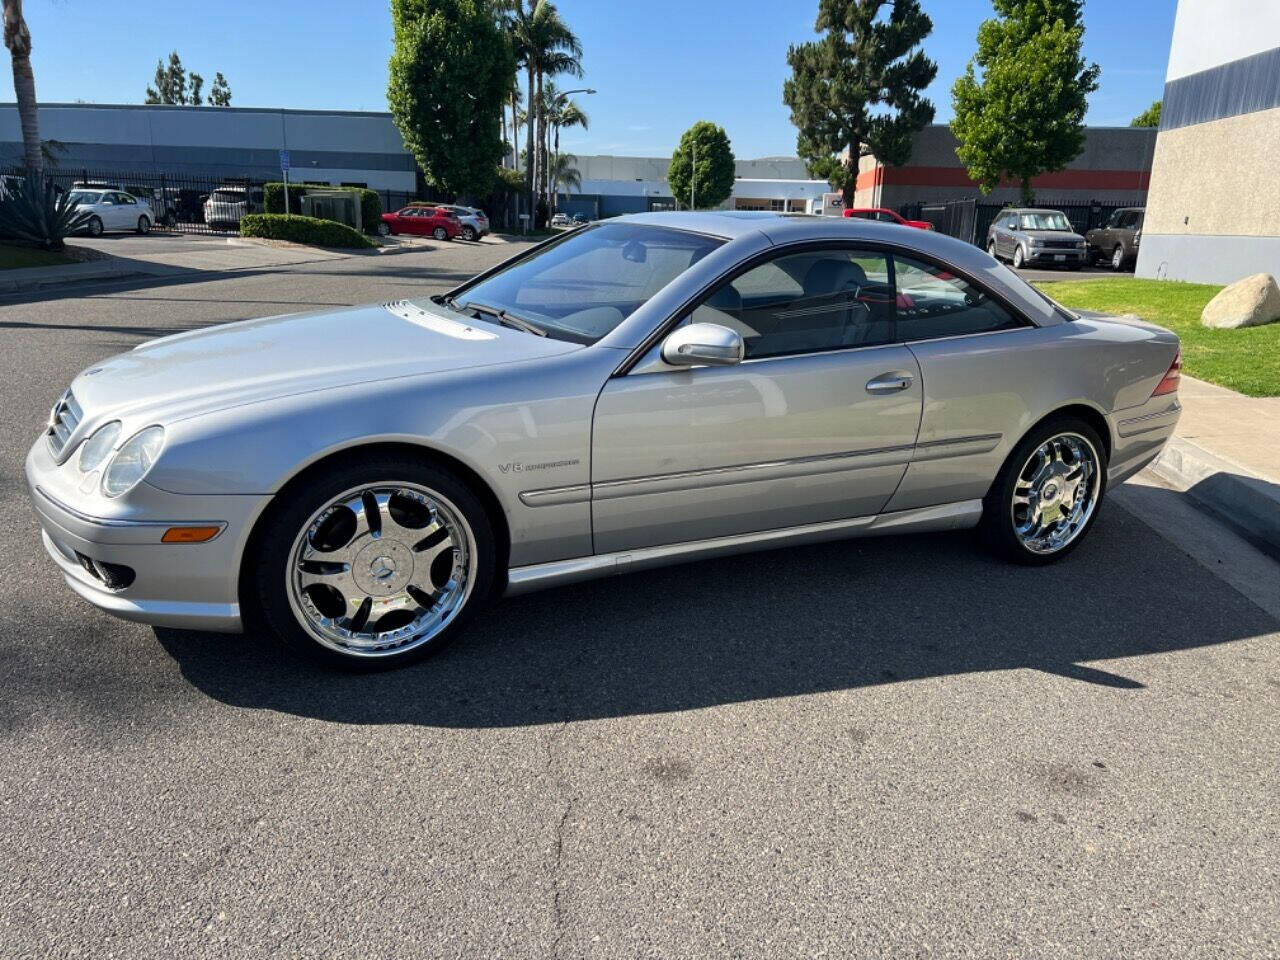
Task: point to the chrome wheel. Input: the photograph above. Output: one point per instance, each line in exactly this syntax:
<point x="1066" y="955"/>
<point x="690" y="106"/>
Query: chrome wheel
<point x="1055" y="493"/>
<point x="1117" y="258"/>
<point x="381" y="569"/>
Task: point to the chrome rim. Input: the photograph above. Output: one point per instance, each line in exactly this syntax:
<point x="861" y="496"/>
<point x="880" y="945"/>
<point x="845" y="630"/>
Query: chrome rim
<point x="381" y="569"/>
<point x="1117" y="258"/>
<point x="441" y="233"/>
<point x="1056" y="493"/>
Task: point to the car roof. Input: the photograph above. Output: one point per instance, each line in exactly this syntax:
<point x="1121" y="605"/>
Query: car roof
<point x="1031" y="210"/>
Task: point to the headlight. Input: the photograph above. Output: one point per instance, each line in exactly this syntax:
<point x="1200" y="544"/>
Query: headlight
<point x="96" y="449"/>
<point x="133" y="461"/>
<point x="1036" y="242"/>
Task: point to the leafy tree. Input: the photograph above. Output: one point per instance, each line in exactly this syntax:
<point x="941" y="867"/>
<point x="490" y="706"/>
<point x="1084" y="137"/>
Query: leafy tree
<point x="1025" y="114"/>
<point x="1149" y="117"/>
<point x="703" y="149"/>
<point x="174" y="85"/>
<point x="17" y="38"/>
<point x="450" y="78"/>
<point x="857" y="89"/>
<point x="220" y="92"/>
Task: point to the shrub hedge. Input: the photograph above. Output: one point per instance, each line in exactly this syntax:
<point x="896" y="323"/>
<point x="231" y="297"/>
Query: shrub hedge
<point x="298" y="229"/>
<point x="370" y="202"/>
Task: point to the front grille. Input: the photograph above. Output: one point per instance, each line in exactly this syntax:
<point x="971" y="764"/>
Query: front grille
<point x="64" y="419"/>
<point x="1061" y="244"/>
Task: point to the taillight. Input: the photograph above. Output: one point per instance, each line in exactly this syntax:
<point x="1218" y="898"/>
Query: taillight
<point x="1169" y="383"/>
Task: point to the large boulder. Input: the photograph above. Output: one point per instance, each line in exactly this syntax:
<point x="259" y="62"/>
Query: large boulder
<point x="1250" y="302"/>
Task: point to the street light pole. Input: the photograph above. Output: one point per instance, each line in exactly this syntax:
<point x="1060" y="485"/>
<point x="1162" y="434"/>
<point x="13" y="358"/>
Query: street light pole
<point x="561" y="98"/>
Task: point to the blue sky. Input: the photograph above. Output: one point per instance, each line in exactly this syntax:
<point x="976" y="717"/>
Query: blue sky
<point x="659" y="65"/>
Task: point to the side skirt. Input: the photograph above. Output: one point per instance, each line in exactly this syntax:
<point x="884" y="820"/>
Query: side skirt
<point x="538" y="576"/>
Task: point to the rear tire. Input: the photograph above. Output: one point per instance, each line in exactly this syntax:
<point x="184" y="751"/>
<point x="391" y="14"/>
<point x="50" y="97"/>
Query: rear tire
<point x="469" y="233"/>
<point x="274" y="569"/>
<point x="144" y="225"/>
<point x="384" y="229"/>
<point x="94" y="226"/>
<point x="1029" y="514"/>
<point x="440" y="233"/>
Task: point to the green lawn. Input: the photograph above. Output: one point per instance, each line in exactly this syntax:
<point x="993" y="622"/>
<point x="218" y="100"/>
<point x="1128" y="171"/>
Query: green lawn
<point x="11" y="258"/>
<point x="1246" y="360"/>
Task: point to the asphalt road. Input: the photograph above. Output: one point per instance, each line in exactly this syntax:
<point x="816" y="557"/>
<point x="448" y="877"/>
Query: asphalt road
<point x="875" y="749"/>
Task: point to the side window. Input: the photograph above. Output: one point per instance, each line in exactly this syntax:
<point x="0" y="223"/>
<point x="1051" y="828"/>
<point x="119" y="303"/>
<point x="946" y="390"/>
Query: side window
<point x="125" y="198"/>
<point x="806" y="302"/>
<point x="933" y="303"/>
<point x="885" y="217"/>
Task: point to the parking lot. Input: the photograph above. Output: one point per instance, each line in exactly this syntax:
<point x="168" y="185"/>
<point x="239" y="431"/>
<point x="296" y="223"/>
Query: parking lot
<point x="876" y="749"/>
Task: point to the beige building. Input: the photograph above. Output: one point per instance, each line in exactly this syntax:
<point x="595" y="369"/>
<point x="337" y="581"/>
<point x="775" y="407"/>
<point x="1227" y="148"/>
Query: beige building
<point x="1213" y="210"/>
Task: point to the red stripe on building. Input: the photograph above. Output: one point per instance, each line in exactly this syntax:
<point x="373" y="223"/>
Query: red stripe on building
<point x="957" y="177"/>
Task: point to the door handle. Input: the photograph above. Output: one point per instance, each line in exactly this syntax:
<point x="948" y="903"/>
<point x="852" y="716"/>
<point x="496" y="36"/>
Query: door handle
<point x="890" y="382"/>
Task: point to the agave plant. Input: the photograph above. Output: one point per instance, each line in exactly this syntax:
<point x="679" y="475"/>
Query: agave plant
<point x="34" y="211"/>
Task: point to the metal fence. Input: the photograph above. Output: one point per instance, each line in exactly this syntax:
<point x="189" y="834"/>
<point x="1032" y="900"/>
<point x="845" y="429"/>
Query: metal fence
<point x="969" y="219"/>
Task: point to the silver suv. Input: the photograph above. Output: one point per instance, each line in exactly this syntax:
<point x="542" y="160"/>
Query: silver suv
<point x="1026" y="236"/>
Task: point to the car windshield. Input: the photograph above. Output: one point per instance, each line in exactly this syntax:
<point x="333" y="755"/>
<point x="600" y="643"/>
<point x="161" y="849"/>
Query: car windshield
<point x="86" y="197"/>
<point x="582" y="286"/>
<point x="1044" y="220"/>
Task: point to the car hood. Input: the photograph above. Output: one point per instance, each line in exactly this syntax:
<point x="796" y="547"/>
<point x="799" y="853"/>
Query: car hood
<point x="231" y="364"/>
<point x="1051" y="234"/>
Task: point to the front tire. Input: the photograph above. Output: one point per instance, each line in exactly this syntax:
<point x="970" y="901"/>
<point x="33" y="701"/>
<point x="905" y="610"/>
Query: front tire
<point x="1048" y="493"/>
<point x="373" y="563"/>
<point x="1117" y="258"/>
<point x="991" y="251"/>
<point x="95" y="226"/>
<point x="1018" y="258"/>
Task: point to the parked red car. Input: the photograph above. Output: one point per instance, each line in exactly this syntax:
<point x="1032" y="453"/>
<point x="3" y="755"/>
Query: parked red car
<point x="885" y="215"/>
<point x="422" y="221"/>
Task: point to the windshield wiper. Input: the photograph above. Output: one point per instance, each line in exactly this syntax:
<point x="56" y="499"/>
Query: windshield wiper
<point x="505" y="317"/>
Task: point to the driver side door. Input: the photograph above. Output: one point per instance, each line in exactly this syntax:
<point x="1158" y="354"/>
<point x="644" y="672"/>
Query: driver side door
<point x="817" y="423"/>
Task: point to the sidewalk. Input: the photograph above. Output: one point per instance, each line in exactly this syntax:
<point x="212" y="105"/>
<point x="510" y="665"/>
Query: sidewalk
<point x="1225" y="454"/>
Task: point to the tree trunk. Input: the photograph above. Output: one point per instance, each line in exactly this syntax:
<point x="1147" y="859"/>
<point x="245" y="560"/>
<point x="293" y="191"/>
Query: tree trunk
<point x="1028" y="195"/>
<point x="555" y="187"/>
<point x="530" y="111"/>
<point x="541" y="136"/>
<point x="515" y="134"/>
<point x="18" y="39"/>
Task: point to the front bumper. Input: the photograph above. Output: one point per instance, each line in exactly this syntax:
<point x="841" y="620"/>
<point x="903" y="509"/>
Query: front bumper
<point x="1053" y="257"/>
<point x="188" y="586"/>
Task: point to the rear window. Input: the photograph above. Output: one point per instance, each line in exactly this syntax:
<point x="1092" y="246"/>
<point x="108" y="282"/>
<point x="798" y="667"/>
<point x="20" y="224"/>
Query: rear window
<point x="227" y="196"/>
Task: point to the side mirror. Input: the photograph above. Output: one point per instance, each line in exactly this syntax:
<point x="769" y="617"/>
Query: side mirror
<point x="701" y="344"/>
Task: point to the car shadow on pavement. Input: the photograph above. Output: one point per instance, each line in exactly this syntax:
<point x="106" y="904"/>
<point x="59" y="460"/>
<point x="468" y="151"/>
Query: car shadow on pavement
<point x="776" y="624"/>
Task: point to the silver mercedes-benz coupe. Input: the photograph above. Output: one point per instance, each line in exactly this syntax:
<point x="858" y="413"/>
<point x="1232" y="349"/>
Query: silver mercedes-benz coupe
<point x="647" y="390"/>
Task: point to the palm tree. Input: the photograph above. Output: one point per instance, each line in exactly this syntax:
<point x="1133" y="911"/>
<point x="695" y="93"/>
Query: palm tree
<point x="18" y="39"/>
<point x="546" y="46"/>
<point x="563" y="171"/>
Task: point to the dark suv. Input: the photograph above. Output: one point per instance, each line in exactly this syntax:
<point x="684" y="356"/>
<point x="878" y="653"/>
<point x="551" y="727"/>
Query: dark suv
<point x="1117" y="239"/>
<point x="1025" y="235"/>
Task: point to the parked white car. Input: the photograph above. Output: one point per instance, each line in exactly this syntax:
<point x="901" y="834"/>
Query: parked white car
<point x="227" y="205"/>
<point x="475" y="222"/>
<point x="113" y="210"/>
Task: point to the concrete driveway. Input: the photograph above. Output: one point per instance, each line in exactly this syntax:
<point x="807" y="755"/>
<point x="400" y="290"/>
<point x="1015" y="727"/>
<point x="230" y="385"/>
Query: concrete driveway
<point x="876" y="749"/>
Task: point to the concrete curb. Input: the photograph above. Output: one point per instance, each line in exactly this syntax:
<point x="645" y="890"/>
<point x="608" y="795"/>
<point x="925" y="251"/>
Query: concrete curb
<point x="72" y="273"/>
<point x="1249" y="503"/>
